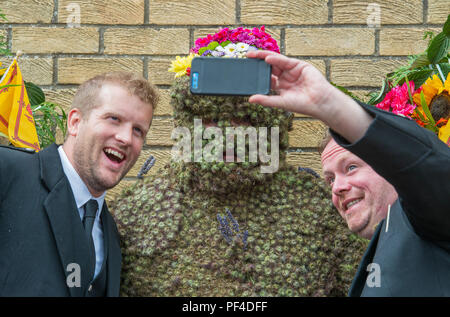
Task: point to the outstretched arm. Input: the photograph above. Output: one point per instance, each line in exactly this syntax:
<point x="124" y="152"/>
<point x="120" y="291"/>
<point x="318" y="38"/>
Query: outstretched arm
<point x="303" y="89"/>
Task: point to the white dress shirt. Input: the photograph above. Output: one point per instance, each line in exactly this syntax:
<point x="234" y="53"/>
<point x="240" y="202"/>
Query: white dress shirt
<point x="82" y="196"/>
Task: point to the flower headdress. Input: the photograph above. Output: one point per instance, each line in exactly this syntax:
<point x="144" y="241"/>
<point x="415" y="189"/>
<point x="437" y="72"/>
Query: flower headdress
<point x="429" y="105"/>
<point x="226" y="43"/>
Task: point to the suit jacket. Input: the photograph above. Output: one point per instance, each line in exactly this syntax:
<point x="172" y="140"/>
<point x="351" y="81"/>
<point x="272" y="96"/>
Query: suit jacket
<point x="41" y="235"/>
<point x="412" y="245"/>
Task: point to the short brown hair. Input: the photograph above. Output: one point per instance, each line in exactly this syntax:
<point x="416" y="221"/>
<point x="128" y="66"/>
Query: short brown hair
<point x="326" y="138"/>
<point x="86" y="96"/>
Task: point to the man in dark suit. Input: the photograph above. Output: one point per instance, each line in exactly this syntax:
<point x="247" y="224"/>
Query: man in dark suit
<point x="409" y="253"/>
<point x="57" y="237"/>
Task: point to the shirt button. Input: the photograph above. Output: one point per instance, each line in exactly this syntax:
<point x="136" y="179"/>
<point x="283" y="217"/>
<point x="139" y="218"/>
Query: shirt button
<point x="90" y="288"/>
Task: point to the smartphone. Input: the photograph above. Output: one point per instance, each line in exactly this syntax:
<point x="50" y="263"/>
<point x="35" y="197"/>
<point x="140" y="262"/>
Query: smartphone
<point x="230" y="76"/>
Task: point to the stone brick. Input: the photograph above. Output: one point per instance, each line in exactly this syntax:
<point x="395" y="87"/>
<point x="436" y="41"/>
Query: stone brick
<point x="28" y="11"/>
<point x="77" y="70"/>
<point x="306" y="133"/>
<point x="39" y="71"/>
<point x="62" y="97"/>
<point x="160" y="132"/>
<point x="162" y="158"/>
<point x="392" y="11"/>
<point x="196" y="12"/>
<point x="102" y="11"/>
<point x="362" y="72"/>
<point x="55" y="40"/>
<point x="438" y="11"/>
<point x="146" y="41"/>
<point x="305" y="159"/>
<point x="276" y="12"/>
<point x="330" y="41"/>
<point x="164" y="108"/>
<point x="403" y="41"/>
<point x="158" y="72"/>
<point x="363" y="94"/>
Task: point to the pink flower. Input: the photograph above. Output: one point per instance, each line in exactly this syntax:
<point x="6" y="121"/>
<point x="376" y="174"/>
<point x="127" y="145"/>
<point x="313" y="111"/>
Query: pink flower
<point x="396" y="100"/>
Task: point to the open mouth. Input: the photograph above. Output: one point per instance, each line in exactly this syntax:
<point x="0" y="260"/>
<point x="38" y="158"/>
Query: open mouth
<point x="114" y="155"/>
<point x="351" y="203"/>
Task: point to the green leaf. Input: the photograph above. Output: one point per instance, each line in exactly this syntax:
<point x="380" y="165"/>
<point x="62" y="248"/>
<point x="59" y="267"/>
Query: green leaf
<point x="418" y="76"/>
<point x="377" y="98"/>
<point x="223" y="44"/>
<point x="35" y="94"/>
<point x="438" y="48"/>
<point x="420" y="61"/>
<point x="212" y="46"/>
<point x="425" y="108"/>
<point x="446" y="29"/>
<point x="202" y="50"/>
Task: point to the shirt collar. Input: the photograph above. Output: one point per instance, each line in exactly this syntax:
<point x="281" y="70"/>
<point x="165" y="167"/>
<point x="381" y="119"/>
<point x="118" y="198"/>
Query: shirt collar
<point x="79" y="188"/>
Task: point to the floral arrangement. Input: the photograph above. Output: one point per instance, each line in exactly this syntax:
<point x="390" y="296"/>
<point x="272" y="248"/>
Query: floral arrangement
<point x="429" y="72"/>
<point x="234" y="43"/>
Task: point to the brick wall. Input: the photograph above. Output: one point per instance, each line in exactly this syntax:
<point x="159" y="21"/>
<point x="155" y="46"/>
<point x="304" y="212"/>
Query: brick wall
<point x="145" y="35"/>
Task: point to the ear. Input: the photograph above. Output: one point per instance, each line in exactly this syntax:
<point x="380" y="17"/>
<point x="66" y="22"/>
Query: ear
<point x="74" y="119"/>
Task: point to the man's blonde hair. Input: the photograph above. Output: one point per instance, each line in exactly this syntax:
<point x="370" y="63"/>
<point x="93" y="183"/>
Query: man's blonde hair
<point x="86" y="97"/>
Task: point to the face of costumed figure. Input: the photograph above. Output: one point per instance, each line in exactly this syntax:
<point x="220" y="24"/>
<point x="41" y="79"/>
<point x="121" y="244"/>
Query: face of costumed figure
<point x="108" y="140"/>
<point x="360" y="195"/>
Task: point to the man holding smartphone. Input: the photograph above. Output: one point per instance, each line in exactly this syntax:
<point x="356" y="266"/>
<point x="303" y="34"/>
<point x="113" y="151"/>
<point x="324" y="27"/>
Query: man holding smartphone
<point x="411" y="251"/>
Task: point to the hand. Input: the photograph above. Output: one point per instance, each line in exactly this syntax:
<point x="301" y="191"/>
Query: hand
<point x="301" y="87"/>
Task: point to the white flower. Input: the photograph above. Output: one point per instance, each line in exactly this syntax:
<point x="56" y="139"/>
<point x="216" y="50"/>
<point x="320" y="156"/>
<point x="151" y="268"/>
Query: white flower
<point x="219" y="48"/>
<point x="230" y="50"/>
<point x="242" y="47"/>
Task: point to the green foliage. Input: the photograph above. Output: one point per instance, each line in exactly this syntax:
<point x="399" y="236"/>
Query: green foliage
<point x="35" y="94"/>
<point x="48" y="122"/>
<point x="435" y="60"/>
<point x="3" y="45"/>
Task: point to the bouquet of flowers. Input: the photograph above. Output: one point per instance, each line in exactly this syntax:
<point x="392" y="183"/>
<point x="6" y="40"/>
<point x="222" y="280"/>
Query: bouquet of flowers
<point x="420" y="90"/>
<point x="226" y="43"/>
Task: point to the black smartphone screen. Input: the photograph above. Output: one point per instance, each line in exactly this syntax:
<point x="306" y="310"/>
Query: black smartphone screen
<point x="230" y="76"/>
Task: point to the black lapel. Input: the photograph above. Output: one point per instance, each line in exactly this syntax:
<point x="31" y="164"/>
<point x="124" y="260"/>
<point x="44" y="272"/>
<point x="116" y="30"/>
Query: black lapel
<point x="114" y="257"/>
<point x="361" y="275"/>
<point x="64" y="218"/>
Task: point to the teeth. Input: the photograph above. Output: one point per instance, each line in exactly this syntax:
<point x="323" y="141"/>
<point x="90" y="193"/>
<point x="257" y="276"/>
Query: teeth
<point x="353" y="202"/>
<point x="117" y="154"/>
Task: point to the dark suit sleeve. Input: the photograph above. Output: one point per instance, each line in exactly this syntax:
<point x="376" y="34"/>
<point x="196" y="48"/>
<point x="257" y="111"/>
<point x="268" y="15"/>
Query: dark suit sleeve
<point x="415" y="162"/>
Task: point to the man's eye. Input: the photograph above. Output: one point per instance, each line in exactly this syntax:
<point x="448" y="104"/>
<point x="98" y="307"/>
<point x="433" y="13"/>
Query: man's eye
<point x="114" y="118"/>
<point x="351" y="167"/>
<point x="330" y="181"/>
<point x="139" y="132"/>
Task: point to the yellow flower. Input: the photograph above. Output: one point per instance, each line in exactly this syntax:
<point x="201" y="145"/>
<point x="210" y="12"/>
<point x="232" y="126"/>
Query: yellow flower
<point x="181" y="64"/>
<point x="437" y="97"/>
<point x="431" y="88"/>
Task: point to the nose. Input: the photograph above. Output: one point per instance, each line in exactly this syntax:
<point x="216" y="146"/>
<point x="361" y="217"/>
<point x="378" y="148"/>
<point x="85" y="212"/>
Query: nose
<point x="124" y="135"/>
<point x="340" y="185"/>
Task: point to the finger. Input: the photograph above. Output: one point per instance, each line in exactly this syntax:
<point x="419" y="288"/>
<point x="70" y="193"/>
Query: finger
<point x="260" y="54"/>
<point x="282" y="63"/>
<point x="269" y="101"/>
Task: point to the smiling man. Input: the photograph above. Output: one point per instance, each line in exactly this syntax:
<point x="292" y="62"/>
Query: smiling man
<point x="57" y="237"/>
<point x="361" y="196"/>
<point x="409" y="252"/>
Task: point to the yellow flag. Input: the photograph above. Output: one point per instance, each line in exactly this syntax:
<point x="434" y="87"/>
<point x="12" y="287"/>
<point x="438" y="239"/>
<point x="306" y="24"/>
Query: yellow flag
<point x="444" y="133"/>
<point x="16" y="118"/>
